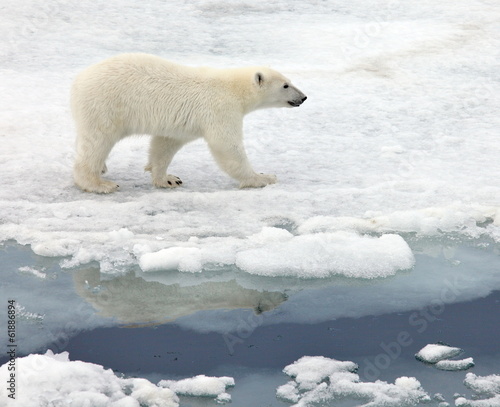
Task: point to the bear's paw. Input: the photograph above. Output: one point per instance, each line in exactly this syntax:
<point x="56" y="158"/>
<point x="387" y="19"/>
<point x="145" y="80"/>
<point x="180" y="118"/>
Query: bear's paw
<point x="259" y="181"/>
<point x="103" y="187"/>
<point x="167" y="181"/>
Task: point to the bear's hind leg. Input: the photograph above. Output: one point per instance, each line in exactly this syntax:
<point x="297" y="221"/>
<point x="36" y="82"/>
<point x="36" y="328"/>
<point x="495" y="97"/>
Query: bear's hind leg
<point x="161" y="152"/>
<point x="90" y="163"/>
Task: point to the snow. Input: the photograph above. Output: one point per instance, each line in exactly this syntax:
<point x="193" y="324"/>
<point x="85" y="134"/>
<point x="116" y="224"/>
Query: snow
<point x="201" y="385"/>
<point x="326" y="254"/>
<point x="51" y="379"/>
<point x="434" y="353"/>
<point x="319" y="379"/>
<point x="33" y="271"/>
<point x="177" y="258"/>
<point x="308" y="371"/>
<point x="485" y="385"/>
<point x="22" y="314"/>
<point x="277" y="252"/>
<point x="486" y="391"/>
<point x="400" y="120"/>
<point x="455" y="365"/>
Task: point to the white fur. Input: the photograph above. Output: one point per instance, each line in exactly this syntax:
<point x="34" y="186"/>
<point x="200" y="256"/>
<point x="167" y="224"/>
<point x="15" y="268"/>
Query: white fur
<point x="144" y="94"/>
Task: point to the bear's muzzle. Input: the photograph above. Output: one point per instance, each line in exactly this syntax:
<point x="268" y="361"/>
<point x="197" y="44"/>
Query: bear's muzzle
<point x="297" y="102"/>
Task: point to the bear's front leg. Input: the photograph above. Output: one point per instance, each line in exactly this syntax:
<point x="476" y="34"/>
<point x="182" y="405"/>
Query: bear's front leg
<point x="230" y="154"/>
<point x="161" y="152"/>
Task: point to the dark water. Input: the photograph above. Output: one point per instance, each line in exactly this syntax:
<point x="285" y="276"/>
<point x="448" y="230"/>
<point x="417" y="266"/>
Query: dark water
<point x="170" y="349"/>
<point x="371" y="342"/>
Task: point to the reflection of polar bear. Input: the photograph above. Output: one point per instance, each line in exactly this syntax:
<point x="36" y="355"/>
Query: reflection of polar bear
<point x="144" y="94"/>
<point x="133" y="300"/>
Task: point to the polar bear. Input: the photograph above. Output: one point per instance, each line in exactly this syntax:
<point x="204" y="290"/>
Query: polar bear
<point x="175" y="104"/>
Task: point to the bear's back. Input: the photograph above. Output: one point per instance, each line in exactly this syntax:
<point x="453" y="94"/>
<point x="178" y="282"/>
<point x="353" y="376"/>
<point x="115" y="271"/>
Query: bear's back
<point x="148" y="94"/>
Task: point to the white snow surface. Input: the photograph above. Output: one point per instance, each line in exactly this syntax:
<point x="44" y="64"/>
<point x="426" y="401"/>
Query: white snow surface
<point x="399" y="135"/>
<point x="318" y="379"/>
<point x="434" y="352"/>
<point x="486" y="391"/>
<point x="33" y="271"/>
<point x="277" y="252"/>
<point x="201" y="385"/>
<point x="455" y="365"/>
<point x="52" y="379"/>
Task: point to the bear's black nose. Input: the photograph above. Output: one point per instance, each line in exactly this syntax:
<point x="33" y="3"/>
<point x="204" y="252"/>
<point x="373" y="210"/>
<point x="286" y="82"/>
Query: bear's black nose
<point x="304" y="99"/>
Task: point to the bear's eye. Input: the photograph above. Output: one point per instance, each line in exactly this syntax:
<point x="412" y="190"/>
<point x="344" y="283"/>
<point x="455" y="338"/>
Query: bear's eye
<point x="285" y="85"/>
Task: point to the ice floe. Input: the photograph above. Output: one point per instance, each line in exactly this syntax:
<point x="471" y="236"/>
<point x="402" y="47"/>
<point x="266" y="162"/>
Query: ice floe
<point x="52" y="379"/>
<point x="317" y="379"/>
<point x="486" y="391"/>
<point x="201" y="386"/>
<point x="434" y="352"/>
<point x="33" y="271"/>
<point x="277" y="252"/>
<point x="455" y="365"/>
<point x="440" y="356"/>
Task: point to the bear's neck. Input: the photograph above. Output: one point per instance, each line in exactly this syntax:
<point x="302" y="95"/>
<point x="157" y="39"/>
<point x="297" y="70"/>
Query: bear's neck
<point x="241" y="83"/>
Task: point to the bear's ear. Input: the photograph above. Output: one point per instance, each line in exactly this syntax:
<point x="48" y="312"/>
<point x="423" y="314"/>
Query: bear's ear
<point x="259" y="78"/>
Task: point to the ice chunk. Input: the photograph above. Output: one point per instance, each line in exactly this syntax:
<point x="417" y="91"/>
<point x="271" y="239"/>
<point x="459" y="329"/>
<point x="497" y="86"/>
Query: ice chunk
<point x="435" y="352"/>
<point x="223" y="398"/>
<point x="491" y="402"/>
<point x="277" y="252"/>
<point x="308" y="371"/>
<point x="486" y="391"/>
<point x="121" y="235"/>
<point x="23" y="314"/>
<point x="146" y="393"/>
<point x="483" y="385"/>
<point x="53" y="377"/>
<point x="463" y="364"/>
<point x="33" y="271"/>
<point x="201" y="385"/>
<point x="323" y="380"/>
<point x="289" y="392"/>
<point x="326" y="254"/>
<point x="442" y="403"/>
<point x="182" y="258"/>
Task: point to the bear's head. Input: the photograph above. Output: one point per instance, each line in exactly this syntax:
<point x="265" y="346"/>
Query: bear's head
<point x="276" y="90"/>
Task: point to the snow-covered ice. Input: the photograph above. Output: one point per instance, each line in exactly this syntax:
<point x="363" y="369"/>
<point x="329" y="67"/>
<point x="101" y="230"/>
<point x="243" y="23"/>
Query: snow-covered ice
<point x="33" y="271"/>
<point x="309" y="371"/>
<point x="486" y="391"/>
<point x="441" y="356"/>
<point x="485" y="385"/>
<point x="277" y="252"/>
<point x="201" y="386"/>
<point x="434" y="352"/>
<point x="52" y="379"/>
<point x="400" y="121"/>
<point x="318" y="380"/>
<point x="455" y="365"/>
